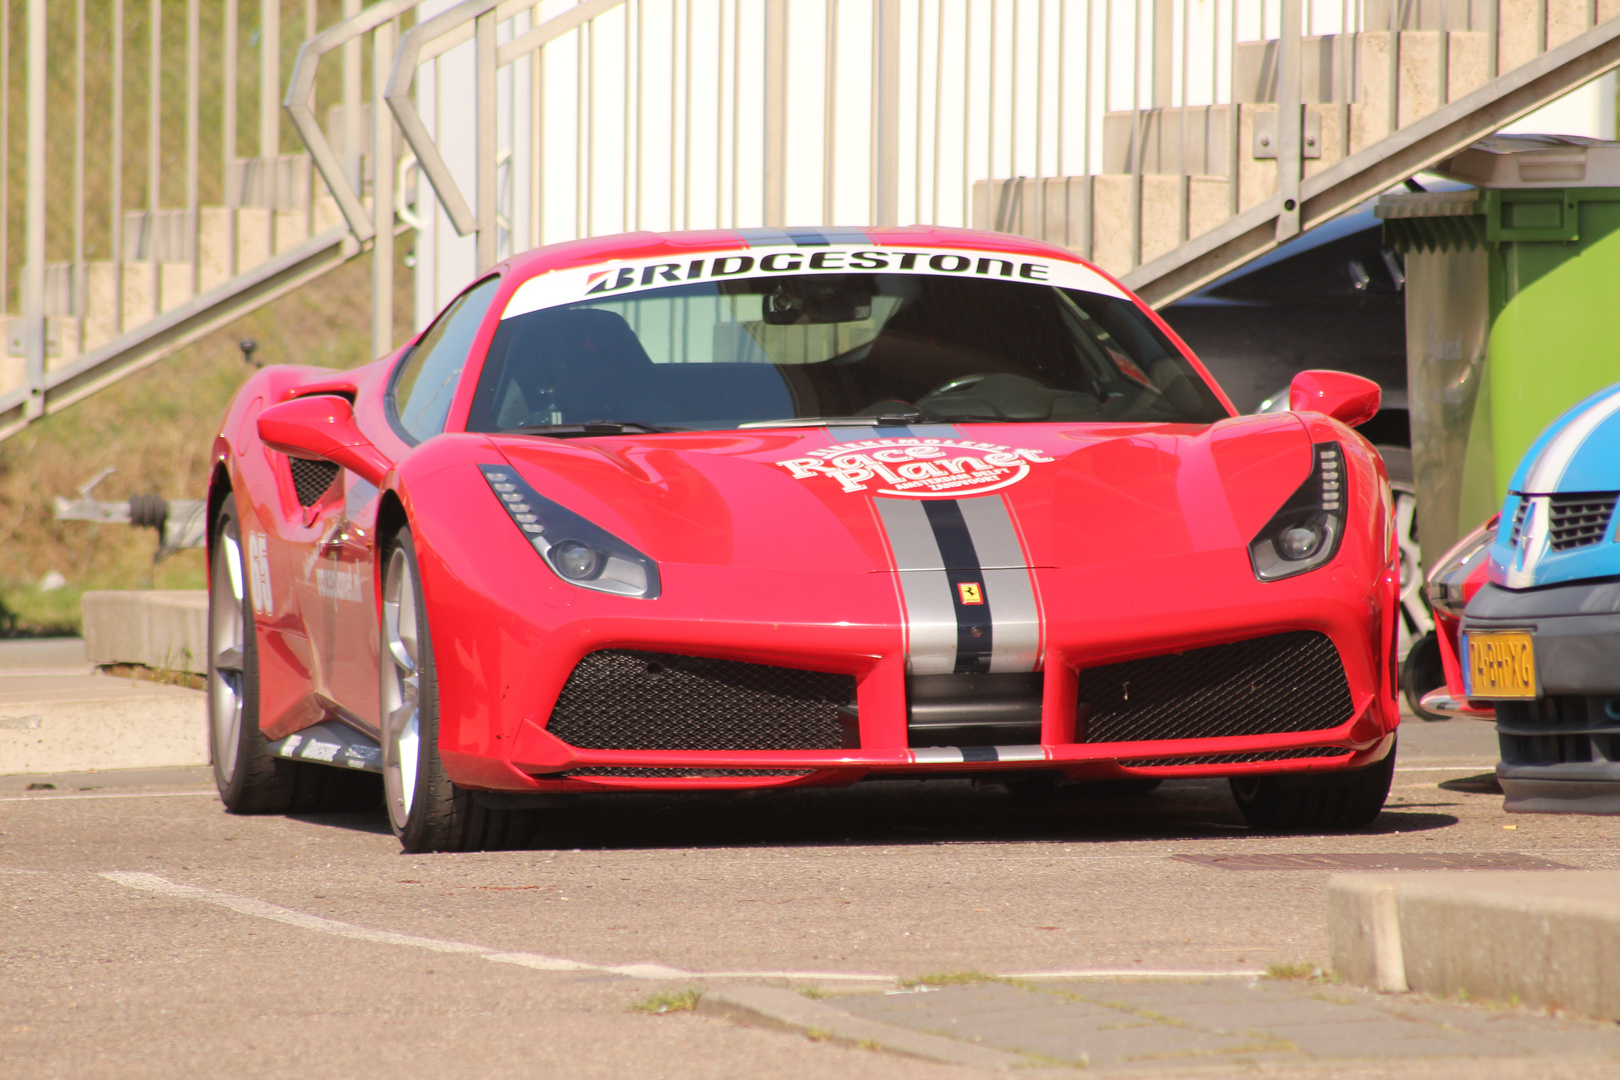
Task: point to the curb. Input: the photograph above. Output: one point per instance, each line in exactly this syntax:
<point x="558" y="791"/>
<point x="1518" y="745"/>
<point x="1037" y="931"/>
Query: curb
<point x="786" y="1010"/>
<point x="1541" y="939"/>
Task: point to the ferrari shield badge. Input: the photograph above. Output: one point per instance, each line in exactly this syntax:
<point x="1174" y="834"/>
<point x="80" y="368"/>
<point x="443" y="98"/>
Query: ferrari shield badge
<point x="918" y="468"/>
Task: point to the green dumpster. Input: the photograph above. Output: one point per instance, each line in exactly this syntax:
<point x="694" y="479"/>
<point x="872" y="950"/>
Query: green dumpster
<point x="1512" y="312"/>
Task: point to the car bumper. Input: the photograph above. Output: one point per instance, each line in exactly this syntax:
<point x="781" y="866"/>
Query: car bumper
<point x="498" y="735"/>
<point x="1560" y="752"/>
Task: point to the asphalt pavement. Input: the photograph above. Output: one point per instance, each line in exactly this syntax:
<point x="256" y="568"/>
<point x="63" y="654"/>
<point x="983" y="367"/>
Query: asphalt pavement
<point x="145" y="932"/>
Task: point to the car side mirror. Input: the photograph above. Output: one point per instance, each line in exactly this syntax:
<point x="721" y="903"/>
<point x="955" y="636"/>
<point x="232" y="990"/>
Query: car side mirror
<point x="322" y="426"/>
<point x="1347" y="398"/>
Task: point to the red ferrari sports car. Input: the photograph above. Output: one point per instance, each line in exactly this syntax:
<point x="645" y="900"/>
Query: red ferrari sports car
<point x="794" y="507"/>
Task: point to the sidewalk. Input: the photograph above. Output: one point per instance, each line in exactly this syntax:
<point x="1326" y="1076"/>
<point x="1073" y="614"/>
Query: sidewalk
<point x="1171" y="1026"/>
<point x="57" y="715"/>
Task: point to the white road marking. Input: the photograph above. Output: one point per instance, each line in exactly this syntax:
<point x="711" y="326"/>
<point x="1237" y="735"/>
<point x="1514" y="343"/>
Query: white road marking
<point x="104" y="795"/>
<point x="261" y="909"/>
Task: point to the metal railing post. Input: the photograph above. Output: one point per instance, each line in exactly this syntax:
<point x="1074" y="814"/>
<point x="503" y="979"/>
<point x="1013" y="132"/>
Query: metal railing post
<point x="34" y="271"/>
<point x="886" y="122"/>
<point x="269" y="80"/>
<point x="776" y="61"/>
<point x="1290" y="122"/>
<point x="487" y="151"/>
<point x="382" y="194"/>
<point x="352" y="130"/>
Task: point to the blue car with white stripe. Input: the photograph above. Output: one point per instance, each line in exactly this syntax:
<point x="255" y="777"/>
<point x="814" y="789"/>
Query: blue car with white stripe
<point x="1541" y="639"/>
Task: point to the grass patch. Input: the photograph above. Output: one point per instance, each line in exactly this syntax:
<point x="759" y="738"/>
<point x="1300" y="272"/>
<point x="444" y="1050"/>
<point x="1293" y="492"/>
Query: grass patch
<point x="950" y="978"/>
<point x="1298" y="971"/>
<point x="156" y="427"/>
<point x="679" y="1001"/>
<point x="814" y="993"/>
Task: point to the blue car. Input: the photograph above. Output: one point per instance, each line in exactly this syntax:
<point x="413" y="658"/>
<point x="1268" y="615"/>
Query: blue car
<point x="1541" y="639"/>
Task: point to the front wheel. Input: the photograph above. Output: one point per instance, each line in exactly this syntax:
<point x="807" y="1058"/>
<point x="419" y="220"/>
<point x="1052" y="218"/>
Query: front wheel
<point x="427" y="810"/>
<point x="1315" y="802"/>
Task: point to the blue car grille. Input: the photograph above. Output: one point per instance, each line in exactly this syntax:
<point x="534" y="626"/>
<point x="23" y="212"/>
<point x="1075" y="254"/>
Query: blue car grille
<point x="1578" y="519"/>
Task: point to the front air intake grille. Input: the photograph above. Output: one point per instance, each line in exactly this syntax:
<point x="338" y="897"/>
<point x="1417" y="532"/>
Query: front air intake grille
<point x="1323" y="753"/>
<point x="679" y="773"/>
<point x="1284" y="682"/>
<point x="1576" y="520"/>
<point x="617" y="699"/>
<point x="311" y="478"/>
<point x="1518" y="520"/>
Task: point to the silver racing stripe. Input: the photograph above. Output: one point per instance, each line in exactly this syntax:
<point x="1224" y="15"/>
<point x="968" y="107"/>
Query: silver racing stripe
<point x="939" y="548"/>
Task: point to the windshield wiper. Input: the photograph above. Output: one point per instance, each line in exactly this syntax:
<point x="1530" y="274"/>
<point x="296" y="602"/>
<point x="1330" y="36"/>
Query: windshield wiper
<point x="592" y="427"/>
<point x="886" y="420"/>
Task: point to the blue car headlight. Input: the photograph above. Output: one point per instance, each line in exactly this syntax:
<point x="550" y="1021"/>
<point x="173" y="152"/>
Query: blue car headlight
<point x="1306" y="532"/>
<point x="576" y="550"/>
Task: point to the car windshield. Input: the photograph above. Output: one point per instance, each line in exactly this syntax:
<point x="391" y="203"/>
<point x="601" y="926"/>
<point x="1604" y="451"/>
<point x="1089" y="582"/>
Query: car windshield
<point x="769" y="350"/>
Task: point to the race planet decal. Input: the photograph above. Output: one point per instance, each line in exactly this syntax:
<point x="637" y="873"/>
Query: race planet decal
<point x="619" y="278"/>
<point x="918" y="468"/>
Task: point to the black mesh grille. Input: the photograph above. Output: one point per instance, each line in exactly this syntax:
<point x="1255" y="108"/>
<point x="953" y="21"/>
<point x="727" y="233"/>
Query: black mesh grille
<point x="1321" y="752"/>
<point x="1569" y="737"/>
<point x="1284" y="682"/>
<point x="1576" y="520"/>
<point x="630" y="770"/>
<point x="622" y="700"/>
<point x="311" y="478"/>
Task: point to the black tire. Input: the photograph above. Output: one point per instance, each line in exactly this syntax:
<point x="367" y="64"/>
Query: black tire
<point x="1421" y="672"/>
<point x="427" y="810"/>
<point x="250" y="779"/>
<point x="1314" y="802"/>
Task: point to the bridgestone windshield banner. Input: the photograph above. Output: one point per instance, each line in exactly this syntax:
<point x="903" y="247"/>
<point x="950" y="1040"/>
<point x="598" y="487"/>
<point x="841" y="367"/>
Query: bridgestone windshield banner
<point x="627" y="277"/>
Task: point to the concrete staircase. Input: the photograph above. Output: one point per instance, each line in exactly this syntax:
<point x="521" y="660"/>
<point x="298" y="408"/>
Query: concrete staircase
<point x="279" y="230"/>
<point x="1172" y="175"/>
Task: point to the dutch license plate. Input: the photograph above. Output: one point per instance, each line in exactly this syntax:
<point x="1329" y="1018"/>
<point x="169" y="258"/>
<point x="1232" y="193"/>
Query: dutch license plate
<point x="1501" y="664"/>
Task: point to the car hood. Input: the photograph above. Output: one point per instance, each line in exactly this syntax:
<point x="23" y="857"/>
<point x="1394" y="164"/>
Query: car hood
<point x="1575" y="458"/>
<point x="853" y="499"/>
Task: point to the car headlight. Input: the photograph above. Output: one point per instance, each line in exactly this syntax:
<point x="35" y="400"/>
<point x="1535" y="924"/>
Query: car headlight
<point x="1306" y="532"/>
<point x="578" y="551"/>
<point x="1447" y="581"/>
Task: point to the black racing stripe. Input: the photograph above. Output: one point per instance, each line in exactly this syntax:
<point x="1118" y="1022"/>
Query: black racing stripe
<point x="974" y="623"/>
<point x="979" y="753"/>
<point x="950" y="529"/>
<point x="766" y="237"/>
<point x="846" y="236"/>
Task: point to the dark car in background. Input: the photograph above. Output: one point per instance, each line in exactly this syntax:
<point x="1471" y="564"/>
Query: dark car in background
<point x="1334" y="298"/>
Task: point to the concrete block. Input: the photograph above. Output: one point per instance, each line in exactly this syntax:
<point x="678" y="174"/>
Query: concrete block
<point x="253" y="239"/>
<point x="13" y="369"/>
<point x="292" y="229"/>
<point x="1111" y="242"/>
<point x="174" y="285"/>
<point x="62" y="341"/>
<point x="1540" y="939"/>
<point x="216" y="247"/>
<point x="160" y="629"/>
<point x="1565" y="19"/>
<point x="1257" y="178"/>
<point x="140" y="289"/>
<point x="1161" y="215"/>
<point x="1517" y="38"/>
<point x="101" y="304"/>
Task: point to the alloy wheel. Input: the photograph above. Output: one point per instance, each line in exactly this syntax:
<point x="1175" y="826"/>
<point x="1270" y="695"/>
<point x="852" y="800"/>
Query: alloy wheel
<point x="227" y="622"/>
<point x="401" y="682"/>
